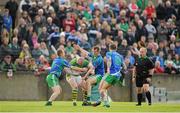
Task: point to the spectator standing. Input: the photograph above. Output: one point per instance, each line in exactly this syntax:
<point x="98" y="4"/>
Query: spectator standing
<point x="7" y="20"/>
<point x="12" y="6"/>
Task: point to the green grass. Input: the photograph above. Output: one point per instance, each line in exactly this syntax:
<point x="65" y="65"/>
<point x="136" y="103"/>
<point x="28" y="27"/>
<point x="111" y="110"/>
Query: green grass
<point x="61" y="106"/>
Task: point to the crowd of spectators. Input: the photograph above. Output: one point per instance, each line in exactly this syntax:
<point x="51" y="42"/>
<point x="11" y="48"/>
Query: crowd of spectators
<point x="45" y="26"/>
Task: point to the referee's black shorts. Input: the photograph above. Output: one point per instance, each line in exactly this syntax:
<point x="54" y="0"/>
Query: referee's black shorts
<point x="140" y="81"/>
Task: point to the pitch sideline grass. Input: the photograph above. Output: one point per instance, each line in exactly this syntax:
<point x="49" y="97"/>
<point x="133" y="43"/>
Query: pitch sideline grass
<point x="61" y="106"/>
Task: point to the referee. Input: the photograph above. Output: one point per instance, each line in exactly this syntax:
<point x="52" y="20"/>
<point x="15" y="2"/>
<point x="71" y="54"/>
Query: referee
<point x="142" y="74"/>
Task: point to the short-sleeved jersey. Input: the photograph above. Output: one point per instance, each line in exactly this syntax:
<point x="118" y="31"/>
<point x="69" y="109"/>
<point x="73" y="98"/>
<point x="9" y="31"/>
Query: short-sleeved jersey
<point x="98" y="64"/>
<point x="58" y="66"/>
<point x="116" y="61"/>
<point x="143" y="65"/>
<point x="85" y="63"/>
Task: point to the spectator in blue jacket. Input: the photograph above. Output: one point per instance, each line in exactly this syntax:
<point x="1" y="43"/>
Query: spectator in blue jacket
<point x="7" y="20"/>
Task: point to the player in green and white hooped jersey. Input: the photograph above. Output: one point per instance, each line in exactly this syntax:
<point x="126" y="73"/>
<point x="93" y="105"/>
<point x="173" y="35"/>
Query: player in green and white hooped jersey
<point x="80" y="65"/>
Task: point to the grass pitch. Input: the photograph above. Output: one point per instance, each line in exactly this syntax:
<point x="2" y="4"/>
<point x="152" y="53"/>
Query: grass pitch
<point x="61" y="106"/>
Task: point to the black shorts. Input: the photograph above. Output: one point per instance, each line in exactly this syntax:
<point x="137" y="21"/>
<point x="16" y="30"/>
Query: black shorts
<point x="140" y="81"/>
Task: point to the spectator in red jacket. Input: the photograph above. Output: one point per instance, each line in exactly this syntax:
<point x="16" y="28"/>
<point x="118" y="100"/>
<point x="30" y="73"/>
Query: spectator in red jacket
<point x="158" y="68"/>
<point x="150" y="9"/>
<point x="69" y="21"/>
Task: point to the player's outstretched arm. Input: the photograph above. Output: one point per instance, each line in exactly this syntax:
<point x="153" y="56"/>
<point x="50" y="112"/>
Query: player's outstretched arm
<point x="71" y="71"/>
<point x="79" y="69"/>
<point x="77" y="47"/>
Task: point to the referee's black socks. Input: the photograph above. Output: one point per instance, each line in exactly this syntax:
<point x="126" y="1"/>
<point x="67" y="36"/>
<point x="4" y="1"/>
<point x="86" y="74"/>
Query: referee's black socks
<point x="139" y="98"/>
<point x="148" y="95"/>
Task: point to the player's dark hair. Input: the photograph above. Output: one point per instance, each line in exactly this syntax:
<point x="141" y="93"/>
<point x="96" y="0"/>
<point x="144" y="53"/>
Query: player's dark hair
<point x="97" y="48"/>
<point x="113" y="47"/>
<point x="59" y="52"/>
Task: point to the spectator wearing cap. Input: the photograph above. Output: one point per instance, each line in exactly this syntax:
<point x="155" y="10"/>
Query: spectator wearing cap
<point x="7" y="64"/>
<point x="7" y="19"/>
<point x="12" y="6"/>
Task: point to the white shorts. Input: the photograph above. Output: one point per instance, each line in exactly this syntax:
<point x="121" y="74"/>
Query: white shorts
<point x="77" y="79"/>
